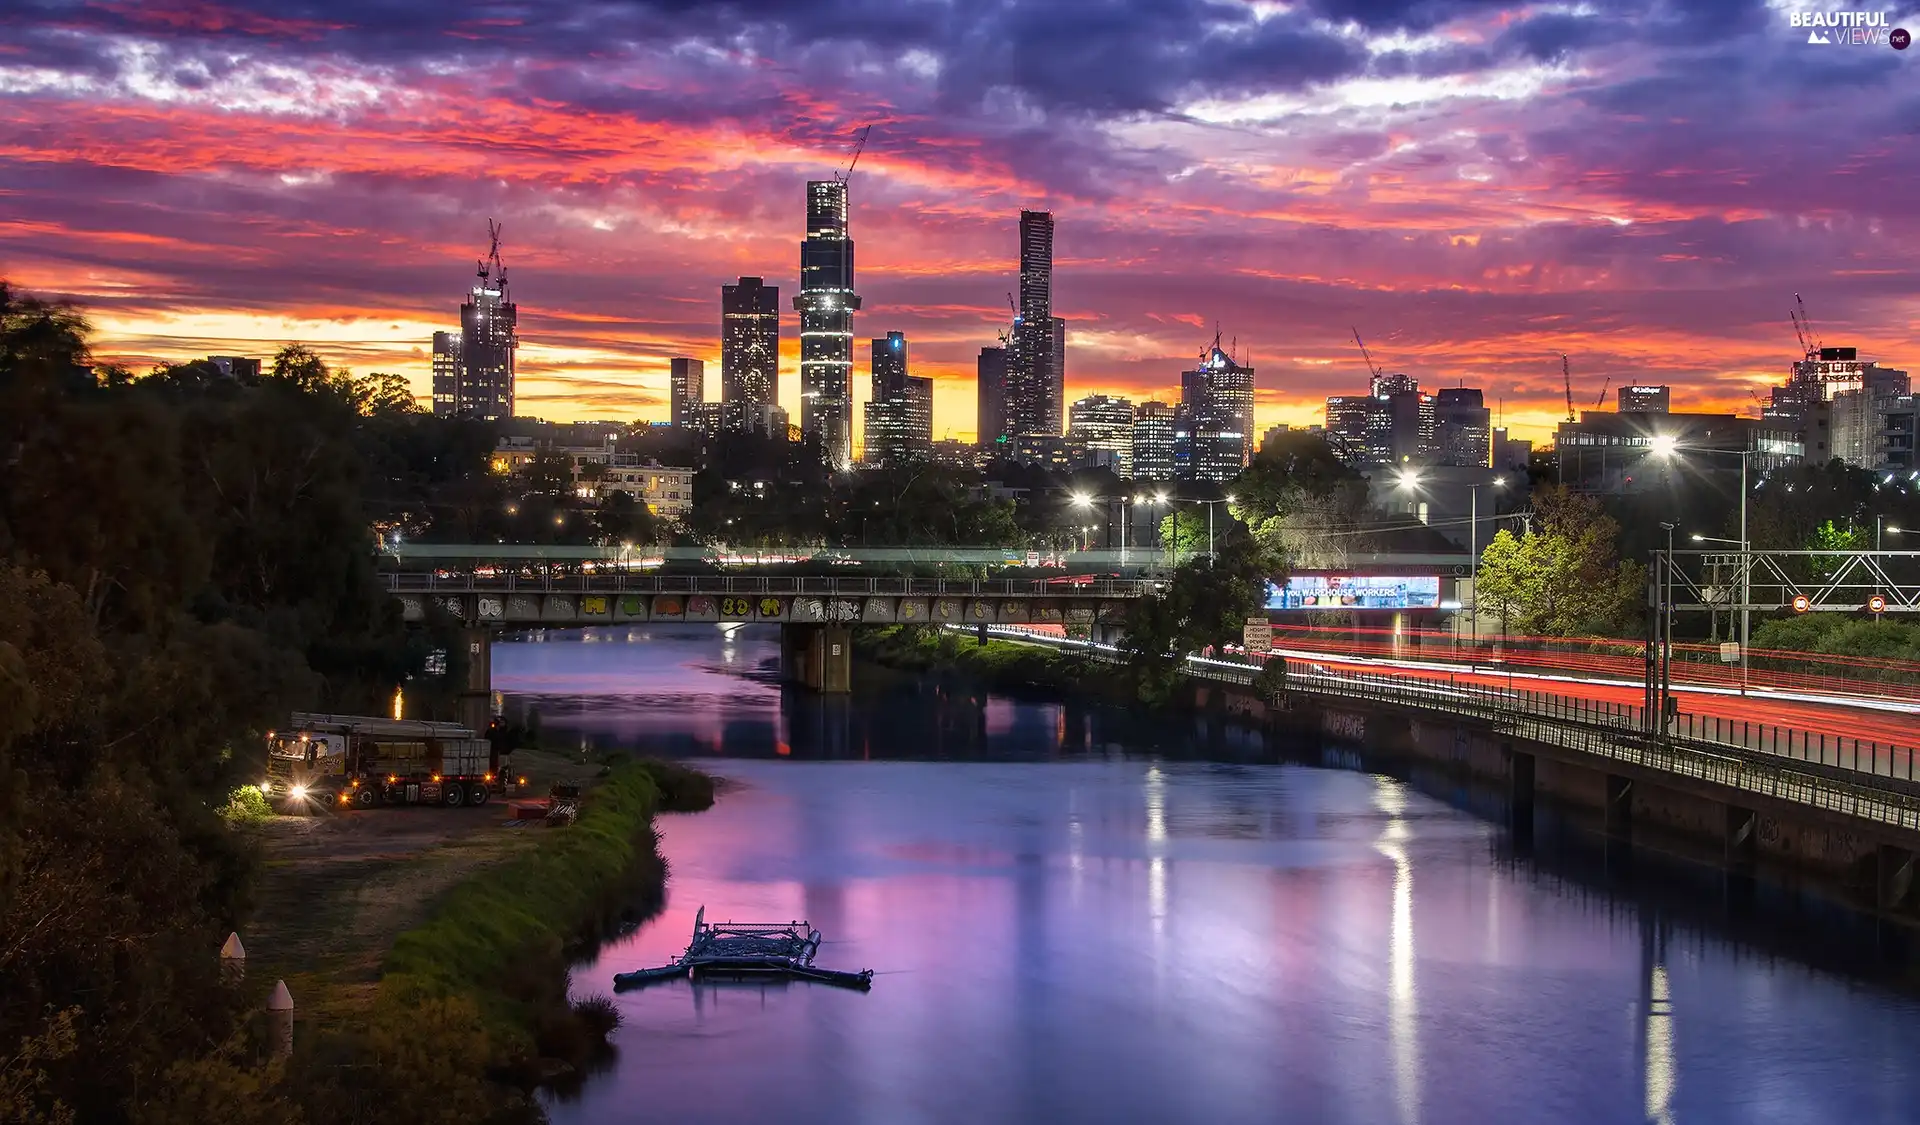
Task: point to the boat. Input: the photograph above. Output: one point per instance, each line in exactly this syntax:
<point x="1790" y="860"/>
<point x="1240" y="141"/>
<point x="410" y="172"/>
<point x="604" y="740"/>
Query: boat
<point x="741" y="950"/>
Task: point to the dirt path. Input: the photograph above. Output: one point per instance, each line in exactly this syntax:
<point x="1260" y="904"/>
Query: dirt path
<point x="341" y="885"/>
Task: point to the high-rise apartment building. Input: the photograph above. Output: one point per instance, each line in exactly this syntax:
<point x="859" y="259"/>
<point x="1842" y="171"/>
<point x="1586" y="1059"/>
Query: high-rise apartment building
<point x="1392" y="425"/>
<point x="1058" y="396"/>
<point x="1153" y="442"/>
<point x="900" y="414"/>
<point x="750" y="342"/>
<point x="1032" y="404"/>
<point x="1100" y="429"/>
<point x="473" y="368"/>
<point x="1462" y="428"/>
<point x="686" y="385"/>
<point x="1216" y="407"/>
<point x="1644" y="400"/>
<point x="991" y="375"/>
<point x="826" y="304"/>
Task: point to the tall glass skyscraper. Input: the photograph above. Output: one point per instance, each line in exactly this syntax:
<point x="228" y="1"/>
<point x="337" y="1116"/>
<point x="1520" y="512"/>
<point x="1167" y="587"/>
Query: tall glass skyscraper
<point x="826" y="304"/>
<point x="900" y="415"/>
<point x="750" y="342"/>
<point x="1033" y="394"/>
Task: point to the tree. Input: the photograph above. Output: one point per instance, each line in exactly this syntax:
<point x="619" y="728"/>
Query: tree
<point x="1205" y="602"/>
<point x="1561" y="578"/>
<point x="1301" y="502"/>
<point x="384" y="393"/>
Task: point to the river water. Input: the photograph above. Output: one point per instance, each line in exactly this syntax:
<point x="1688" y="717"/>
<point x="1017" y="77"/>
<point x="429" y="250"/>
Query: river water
<point x="1073" y="915"/>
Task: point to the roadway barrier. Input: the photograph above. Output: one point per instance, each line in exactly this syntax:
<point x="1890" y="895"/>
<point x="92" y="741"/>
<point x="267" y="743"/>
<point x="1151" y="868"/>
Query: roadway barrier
<point x="1874" y="781"/>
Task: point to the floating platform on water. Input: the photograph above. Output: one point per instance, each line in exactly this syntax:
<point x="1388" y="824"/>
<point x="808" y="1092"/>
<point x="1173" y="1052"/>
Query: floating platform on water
<point x="736" y="950"/>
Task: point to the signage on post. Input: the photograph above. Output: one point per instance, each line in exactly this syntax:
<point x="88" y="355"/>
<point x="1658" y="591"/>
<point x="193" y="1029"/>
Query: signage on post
<point x="1258" y="635"/>
<point x="1729" y="652"/>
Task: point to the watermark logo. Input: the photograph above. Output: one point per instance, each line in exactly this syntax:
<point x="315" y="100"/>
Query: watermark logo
<point x="1849" y="29"/>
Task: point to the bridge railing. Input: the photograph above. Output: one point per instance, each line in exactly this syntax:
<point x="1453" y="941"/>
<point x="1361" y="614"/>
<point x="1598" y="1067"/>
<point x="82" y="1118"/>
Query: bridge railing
<point x="615" y="582"/>
<point x="1876" y="781"/>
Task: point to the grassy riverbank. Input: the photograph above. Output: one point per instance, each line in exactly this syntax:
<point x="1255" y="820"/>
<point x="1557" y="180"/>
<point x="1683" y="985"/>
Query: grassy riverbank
<point x="1007" y="665"/>
<point x="468" y="1005"/>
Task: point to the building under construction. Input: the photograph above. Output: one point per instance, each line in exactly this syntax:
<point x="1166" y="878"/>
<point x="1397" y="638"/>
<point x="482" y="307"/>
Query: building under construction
<point x="473" y="368"/>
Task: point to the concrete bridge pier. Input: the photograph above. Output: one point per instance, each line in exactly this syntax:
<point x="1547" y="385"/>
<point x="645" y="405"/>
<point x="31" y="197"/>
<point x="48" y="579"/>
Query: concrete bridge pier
<point x="819" y="657"/>
<point x="474" y="707"/>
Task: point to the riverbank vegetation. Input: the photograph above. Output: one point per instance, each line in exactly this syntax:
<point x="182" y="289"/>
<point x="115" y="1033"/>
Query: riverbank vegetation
<point x="185" y="557"/>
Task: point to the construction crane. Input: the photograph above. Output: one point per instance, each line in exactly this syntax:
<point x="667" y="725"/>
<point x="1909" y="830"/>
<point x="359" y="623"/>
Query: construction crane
<point x="1373" y="369"/>
<point x="1006" y="334"/>
<point x="1566" y="376"/>
<point x="491" y="265"/>
<point x="1605" y="386"/>
<point x="1803" y="328"/>
<point x="859" y="146"/>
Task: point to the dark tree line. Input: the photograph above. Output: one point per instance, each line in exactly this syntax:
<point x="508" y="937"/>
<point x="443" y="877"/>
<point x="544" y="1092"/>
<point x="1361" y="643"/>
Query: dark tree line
<point x="184" y="558"/>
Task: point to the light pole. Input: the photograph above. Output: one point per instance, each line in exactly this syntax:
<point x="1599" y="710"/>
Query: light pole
<point x="1666" y="626"/>
<point x="1210" y="504"/>
<point x="1666" y="447"/>
<point x="1473" y="564"/>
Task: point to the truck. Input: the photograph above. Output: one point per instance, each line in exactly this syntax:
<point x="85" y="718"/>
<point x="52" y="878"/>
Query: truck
<point x="363" y="761"/>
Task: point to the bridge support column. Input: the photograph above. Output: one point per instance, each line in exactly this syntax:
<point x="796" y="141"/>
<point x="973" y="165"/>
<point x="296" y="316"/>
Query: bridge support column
<point x="1519" y="782"/>
<point x="981" y="633"/>
<point x="1894" y="877"/>
<point x="817" y="656"/>
<point x="1619" y="805"/>
<point x="475" y="704"/>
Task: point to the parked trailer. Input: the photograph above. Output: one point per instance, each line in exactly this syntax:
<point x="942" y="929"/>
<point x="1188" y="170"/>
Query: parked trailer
<point x="364" y="761"/>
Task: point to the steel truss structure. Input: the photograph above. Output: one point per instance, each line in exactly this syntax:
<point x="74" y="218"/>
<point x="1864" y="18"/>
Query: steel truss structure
<point x="1802" y="581"/>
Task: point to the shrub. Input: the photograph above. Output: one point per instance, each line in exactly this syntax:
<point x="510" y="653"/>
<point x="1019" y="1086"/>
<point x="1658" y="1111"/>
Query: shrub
<point x="246" y="806"/>
<point x="681" y="789"/>
<point x="598" y="1014"/>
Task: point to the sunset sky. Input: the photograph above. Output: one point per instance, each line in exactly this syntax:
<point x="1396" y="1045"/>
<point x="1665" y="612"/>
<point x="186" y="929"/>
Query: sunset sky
<point x="1477" y="186"/>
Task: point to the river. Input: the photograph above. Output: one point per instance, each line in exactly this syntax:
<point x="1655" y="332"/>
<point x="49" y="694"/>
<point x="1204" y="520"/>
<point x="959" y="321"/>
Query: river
<point x="1074" y="916"/>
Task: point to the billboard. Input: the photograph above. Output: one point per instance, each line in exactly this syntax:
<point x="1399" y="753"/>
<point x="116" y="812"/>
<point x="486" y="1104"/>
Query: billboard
<point x="1354" y="591"/>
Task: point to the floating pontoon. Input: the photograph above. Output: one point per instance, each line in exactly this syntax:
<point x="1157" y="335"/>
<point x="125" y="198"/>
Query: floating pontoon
<point x="736" y="950"/>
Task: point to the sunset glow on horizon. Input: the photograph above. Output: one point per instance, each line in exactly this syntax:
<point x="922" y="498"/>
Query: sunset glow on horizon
<point x="1476" y="187"/>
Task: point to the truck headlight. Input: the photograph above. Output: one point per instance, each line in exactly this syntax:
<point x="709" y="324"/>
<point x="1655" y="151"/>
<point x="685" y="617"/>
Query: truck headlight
<point x="298" y="792"/>
<point x="266" y="787"/>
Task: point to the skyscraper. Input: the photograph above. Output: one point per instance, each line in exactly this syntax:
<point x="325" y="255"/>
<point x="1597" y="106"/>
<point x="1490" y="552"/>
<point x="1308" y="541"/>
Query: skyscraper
<point x="1153" y="442"/>
<point x="991" y="373"/>
<point x="900" y="415"/>
<point x="473" y="368"/>
<point x="1033" y="404"/>
<point x="1216" y="402"/>
<point x="1057" y="398"/>
<point x="750" y="342"/>
<point x="686" y="384"/>
<point x="826" y="304"/>
<point x="1392" y="425"/>
<point x="1462" y="428"/>
<point x="1102" y="427"/>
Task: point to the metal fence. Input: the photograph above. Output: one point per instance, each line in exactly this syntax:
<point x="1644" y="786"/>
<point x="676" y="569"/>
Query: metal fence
<point x="618" y="583"/>
<point x="1869" y="780"/>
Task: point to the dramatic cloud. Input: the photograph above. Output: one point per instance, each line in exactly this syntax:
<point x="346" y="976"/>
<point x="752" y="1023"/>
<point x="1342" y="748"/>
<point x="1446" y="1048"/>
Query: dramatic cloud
<point x="1479" y="186"/>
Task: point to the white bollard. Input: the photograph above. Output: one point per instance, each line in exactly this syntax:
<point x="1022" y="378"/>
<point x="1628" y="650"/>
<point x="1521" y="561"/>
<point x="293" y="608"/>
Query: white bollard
<point x="233" y="960"/>
<point x="280" y="1020"/>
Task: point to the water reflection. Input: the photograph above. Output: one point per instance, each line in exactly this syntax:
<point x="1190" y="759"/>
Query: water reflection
<point x="1072" y="923"/>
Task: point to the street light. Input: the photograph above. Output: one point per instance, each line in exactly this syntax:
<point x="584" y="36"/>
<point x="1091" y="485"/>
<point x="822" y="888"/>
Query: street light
<point x="1878" y="521"/>
<point x="1473" y="553"/>
<point x="1666" y="447"/>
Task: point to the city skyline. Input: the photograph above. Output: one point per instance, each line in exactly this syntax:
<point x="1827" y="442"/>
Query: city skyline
<point x="1479" y="191"/>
